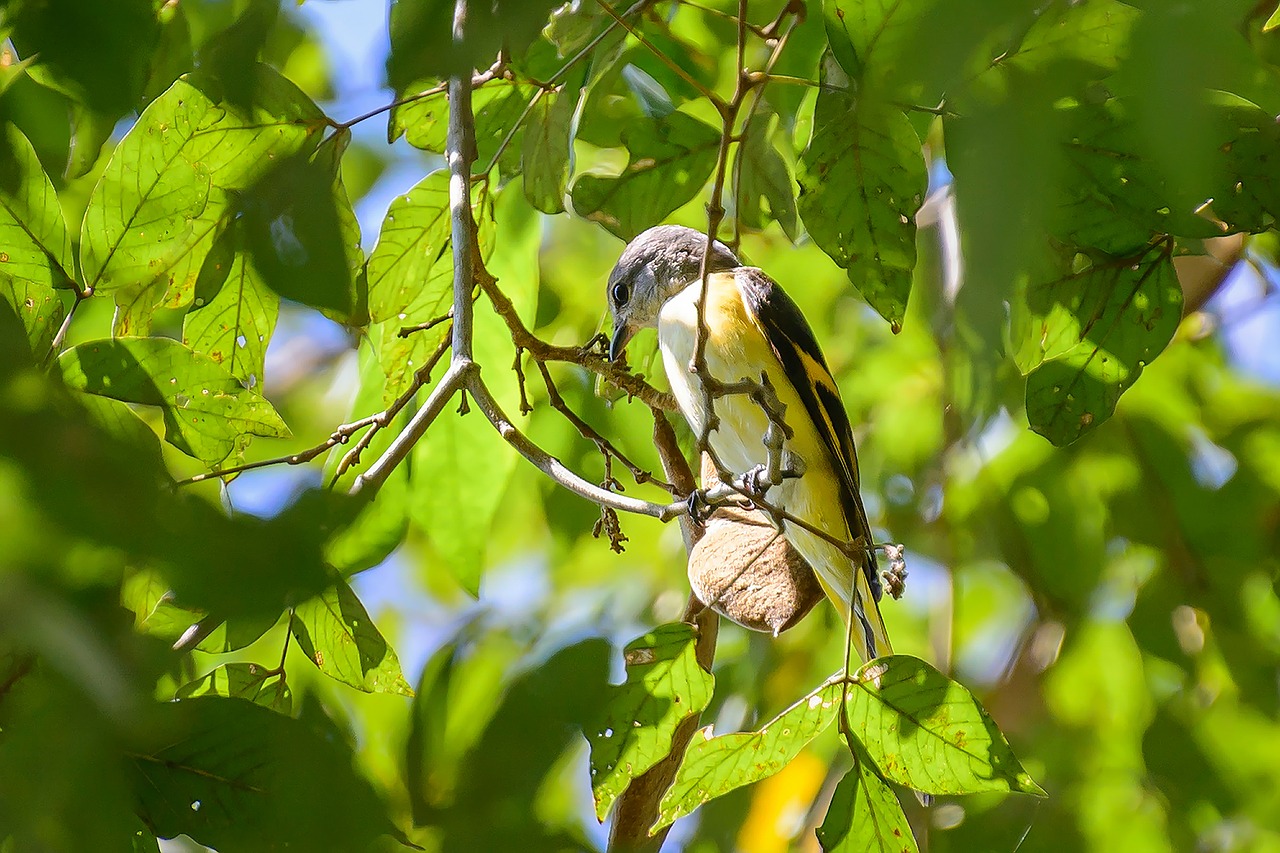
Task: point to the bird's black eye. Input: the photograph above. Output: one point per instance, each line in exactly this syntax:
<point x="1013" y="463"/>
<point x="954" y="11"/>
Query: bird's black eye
<point x="620" y="294"/>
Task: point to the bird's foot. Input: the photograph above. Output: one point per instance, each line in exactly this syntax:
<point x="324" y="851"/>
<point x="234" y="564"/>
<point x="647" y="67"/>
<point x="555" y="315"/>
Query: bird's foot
<point x="756" y="482"/>
<point x="895" y="577"/>
<point x="700" y="508"/>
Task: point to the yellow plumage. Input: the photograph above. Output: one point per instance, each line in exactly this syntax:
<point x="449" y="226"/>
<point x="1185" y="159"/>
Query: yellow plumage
<point x="739" y="347"/>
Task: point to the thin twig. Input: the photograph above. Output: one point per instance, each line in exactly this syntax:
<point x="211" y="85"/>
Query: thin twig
<point x="663" y="58"/>
<point x="341" y="435"/>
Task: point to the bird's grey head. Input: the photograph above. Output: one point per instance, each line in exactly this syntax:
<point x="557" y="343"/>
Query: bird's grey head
<point x="655" y="266"/>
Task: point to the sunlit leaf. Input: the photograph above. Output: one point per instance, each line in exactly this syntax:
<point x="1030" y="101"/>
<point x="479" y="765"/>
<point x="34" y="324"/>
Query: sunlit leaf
<point x="1095" y="32"/>
<point x="238" y="776"/>
<point x="410" y="275"/>
<point x="862" y="179"/>
<point x="497" y="106"/>
<point x="1100" y="328"/>
<point x="664" y="686"/>
<point x="865" y="816"/>
<point x="334" y="630"/>
<point x="235" y="312"/>
<point x="670" y="161"/>
<point x="35" y="247"/>
<point x="207" y="413"/>
<point x="929" y="733"/>
<point x="169" y="187"/>
<point x="250" y="681"/>
<point x="714" y="766"/>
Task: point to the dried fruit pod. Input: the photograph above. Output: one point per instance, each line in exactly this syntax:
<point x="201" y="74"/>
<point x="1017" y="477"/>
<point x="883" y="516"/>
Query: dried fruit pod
<point x="745" y="570"/>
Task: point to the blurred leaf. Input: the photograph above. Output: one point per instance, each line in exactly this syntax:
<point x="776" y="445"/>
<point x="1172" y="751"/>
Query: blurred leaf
<point x="422" y="44"/>
<point x="1121" y="314"/>
<point x="97" y="53"/>
<point x="929" y="733"/>
<point x="547" y="149"/>
<point x="238" y="776"/>
<point x="572" y="25"/>
<point x="670" y="160"/>
<point x="38" y="308"/>
<point x="250" y="681"/>
<point x="862" y="180"/>
<point x="1272" y="22"/>
<point x="168" y="189"/>
<point x="207" y="413"/>
<point x="234" y="312"/>
<point x="301" y="233"/>
<point x="664" y="686"/>
<point x="1094" y="32"/>
<point x="89" y="132"/>
<point x="713" y="766"/>
<point x="865" y="815"/>
<point x="334" y="630"/>
<point x="766" y="187"/>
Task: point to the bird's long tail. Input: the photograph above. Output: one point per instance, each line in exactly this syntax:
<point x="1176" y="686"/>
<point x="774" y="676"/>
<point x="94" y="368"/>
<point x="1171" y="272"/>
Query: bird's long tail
<point x="870" y="639"/>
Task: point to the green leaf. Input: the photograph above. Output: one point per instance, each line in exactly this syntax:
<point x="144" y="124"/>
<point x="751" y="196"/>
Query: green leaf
<point x="380" y="526"/>
<point x="664" y="686"/>
<point x="1272" y="22"/>
<point x="1095" y="32"/>
<point x="497" y="105"/>
<point x="715" y="766"/>
<point x="865" y="816"/>
<point x="207" y="413"/>
<point x="37" y="307"/>
<point x="235" y="312"/>
<point x="547" y="146"/>
<point x="767" y="191"/>
<point x="927" y="732"/>
<point x="422" y="43"/>
<point x="869" y="38"/>
<point x="463" y="450"/>
<point x="862" y="180"/>
<point x="410" y="275"/>
<point x="169" y="187"/>
<point x="670" y="160"/>
<point x="335" y="632"/>
<point x="302" y="234"/>
<point x="237" y="776"/>
<point x="35" y="245"/>
<point x="1100" y="329"/>
<point x="251" y="681"/>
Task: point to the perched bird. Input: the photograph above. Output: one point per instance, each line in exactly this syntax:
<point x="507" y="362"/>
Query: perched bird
<point x="754" y="330"/>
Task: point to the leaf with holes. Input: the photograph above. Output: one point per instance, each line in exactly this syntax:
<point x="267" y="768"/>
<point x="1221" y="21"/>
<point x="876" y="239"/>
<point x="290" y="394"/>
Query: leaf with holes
<point x="334" y="630"/>
<point x="671" y="159"/>
<point x="862" y="181"/>
<point x="714" y="766"/>
<point x="237" y="776"/>
<point x="865" y="816"/>
<point x="207" y="413"/>
<point x="1098" y="330"/>
<point x="169" y="186"/>
<point x="664" y="686"/>
<point x="927" y="732"/>
<point x="235" y="312"/>
<point x="259" y="685"/>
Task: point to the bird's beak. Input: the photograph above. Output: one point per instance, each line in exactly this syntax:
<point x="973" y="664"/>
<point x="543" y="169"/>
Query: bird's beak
<point x="622" y="333"/>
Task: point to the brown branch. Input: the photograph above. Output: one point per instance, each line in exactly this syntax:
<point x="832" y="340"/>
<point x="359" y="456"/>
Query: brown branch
<point x="341" y="435"/>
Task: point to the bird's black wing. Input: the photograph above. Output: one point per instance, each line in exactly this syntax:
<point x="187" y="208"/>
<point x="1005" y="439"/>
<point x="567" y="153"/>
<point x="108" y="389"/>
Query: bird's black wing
<point x="797" y="349"/>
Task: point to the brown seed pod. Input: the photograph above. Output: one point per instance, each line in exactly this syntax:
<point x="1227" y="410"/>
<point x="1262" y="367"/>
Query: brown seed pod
<point x="744" y="569"/>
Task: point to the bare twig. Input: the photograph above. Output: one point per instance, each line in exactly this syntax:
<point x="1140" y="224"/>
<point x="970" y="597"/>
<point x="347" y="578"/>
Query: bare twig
<point x="662" y="57"/>
<point x="341" y="435"/>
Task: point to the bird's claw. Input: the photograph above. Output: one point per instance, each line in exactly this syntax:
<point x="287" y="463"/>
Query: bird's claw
<point x="756" y="482"/>
<point x="700" y="508"/>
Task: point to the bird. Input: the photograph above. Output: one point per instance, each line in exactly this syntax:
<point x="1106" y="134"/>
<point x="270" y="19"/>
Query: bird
<point x="756" y="334"/>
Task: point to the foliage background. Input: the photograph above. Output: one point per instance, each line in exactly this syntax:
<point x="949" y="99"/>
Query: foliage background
<point x="1112" y="602"/>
